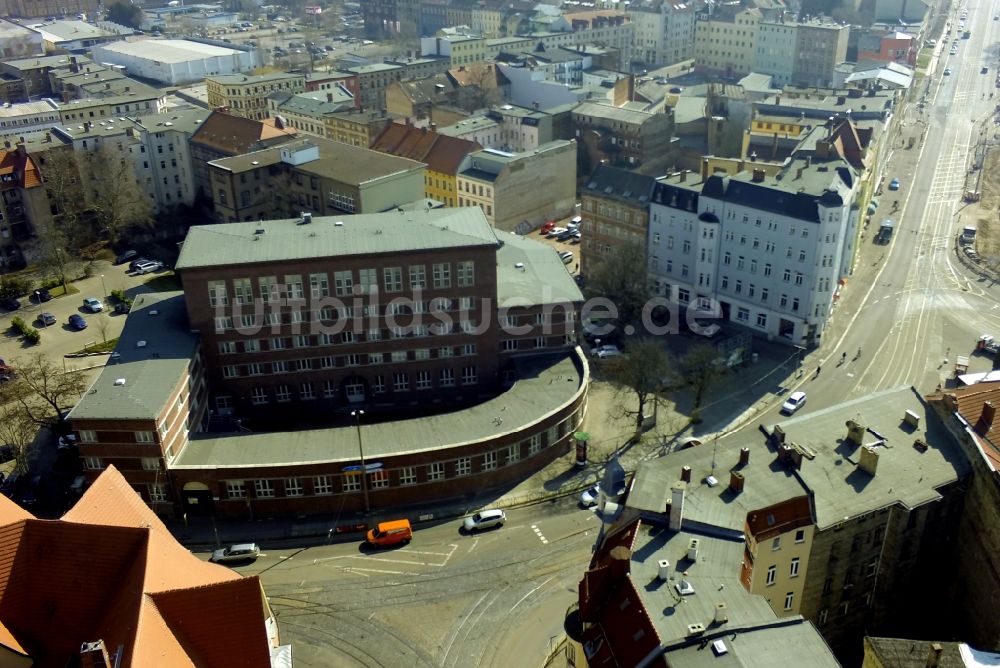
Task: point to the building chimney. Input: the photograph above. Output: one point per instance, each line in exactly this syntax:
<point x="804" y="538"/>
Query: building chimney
<point x="736" y="481"/>
<point x="434" y="127"/>
<point x="778" y="434"/>
<point x="86" y="126"/>
<point x="855" y="432"/>
<point x="683" y="176"/>
<point x="869" y="459"/>
<point x="758" y="175"/>
<point x="620" y="560"/>
<point x="744" y="456"/>
<point x="94" y="655"/>
<point x="686" y="474"/>
<point x="989" y="413"/>
<point x="677" y="505"/>
<point x="329" y="97"/>
<point x="934" y="655"/>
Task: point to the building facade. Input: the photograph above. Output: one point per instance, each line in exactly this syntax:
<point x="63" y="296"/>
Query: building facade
<point x="621" y="137"/>
<point x="615" y="210"/>
<point x="246" y="95"/>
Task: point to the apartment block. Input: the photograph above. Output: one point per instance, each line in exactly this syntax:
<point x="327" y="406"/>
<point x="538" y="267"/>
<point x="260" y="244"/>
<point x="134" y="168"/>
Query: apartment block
<point x="373" y="80"/>
<point x="664" y="32"/>
<point x="26" y="118"/>
<point x="320" y="176"/>
<point x="246" y="95"/>
<point x="622" y="137"/>
<point x="725" y="40"/>
<point x="442" y="154"/>
<point x="519" y="191"/>
<point x="459" y="49"/>
<point x="24" y="205"/>
<point x="320" y="81"/>
<point x="615" y="210"/>
<point x="765" y="252"/>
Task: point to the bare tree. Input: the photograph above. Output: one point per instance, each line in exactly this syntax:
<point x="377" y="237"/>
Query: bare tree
<point x="118" y="201"/>
<point x="42" y="387"/>
<point x="18" y="431"/>
<point x="701" y="365"/>
<point x="61" y="235"/>
<point x="621" y="277"/>
<point x="640" y="375"/>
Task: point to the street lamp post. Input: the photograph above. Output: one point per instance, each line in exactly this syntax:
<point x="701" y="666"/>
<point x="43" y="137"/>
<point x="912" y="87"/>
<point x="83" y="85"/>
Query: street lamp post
<point x="356" y="414"/>
<point x="104" y="289"/>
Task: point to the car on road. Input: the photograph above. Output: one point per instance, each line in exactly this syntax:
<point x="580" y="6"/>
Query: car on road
<point x="236" y="553"/>
<point x="555" y="232"/>
<point x="10" y="303"/>
<point x="45" y="319"/>
<point x="793" y="403"/>
<point x="590" y="496"/>
<point x="985" y="70"/>
<point x="947" y="71"/>
<point x="40" y="295"/>
<point x="77" y="322"/>
<point x="894" y="184"/>
<point x="484" y="519"/>
<point x="93" y="304"/>
<point x="606" y="351"/>
<point x="127" y="256"/>
<point x="136" y="262"/>
<point x="566" y="256"/>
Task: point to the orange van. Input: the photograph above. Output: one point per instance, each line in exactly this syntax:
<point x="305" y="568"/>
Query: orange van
<point x="390" y="533"/>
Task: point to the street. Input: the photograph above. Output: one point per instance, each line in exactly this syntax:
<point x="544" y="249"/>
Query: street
<point x="497" y="598"/>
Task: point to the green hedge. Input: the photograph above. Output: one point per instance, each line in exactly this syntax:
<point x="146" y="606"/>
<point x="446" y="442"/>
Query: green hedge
<point x="30" y="334"/>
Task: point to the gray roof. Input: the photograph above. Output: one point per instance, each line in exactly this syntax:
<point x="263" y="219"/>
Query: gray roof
<point x="829" y="472"/>
<point x="150" y="372"/>
<point x="542" y="279"/>
<point x="789" y="643"/>
<point x="623" y="185"/>
<point x="545" y="383"/>
<point x="609" y="112"/>
<point x="179" y="119"/>
<point x="467" y="125"/>
<point x="253" y="78"/>
<point x="169" y="50"/>
<point x="316" y="103"/>
<point x="362" y="234"/>
<point x="374" y="67"/>
<point x="24" y="64"/>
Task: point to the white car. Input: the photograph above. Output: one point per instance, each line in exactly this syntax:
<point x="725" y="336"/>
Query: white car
<point x="794" y="403"/>
<point x="590" y="496"/>
<point x="606" y="351"/>
<point x="484" y="519"/>
<point x="555" y="232"/>
<point x="566" y="256"/>
<point x="147" y="267"/>
<point x="239" y="552"/>
<point x="947" y="71"/>
<point x="93" y="304"/>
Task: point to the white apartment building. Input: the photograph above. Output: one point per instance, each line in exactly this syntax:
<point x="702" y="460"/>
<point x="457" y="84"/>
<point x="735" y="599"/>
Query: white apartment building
<point x="165" y="154"/>
<point x="663" y="31"/>
<point x="765" y="252"/>
<point x="28" y="117"/>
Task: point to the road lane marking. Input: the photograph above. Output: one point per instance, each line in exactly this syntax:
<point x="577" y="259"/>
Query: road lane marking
<point x="473" y="546"/>
<point x="529" y="594"/>
<point x="541" y="536"/>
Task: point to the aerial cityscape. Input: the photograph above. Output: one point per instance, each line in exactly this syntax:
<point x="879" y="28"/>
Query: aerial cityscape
<point x="460" y="333"/>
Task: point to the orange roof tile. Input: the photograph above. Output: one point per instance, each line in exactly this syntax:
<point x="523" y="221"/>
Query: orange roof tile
<point x="10" y="512"/>
<point x="971" y="404"/>
<point x="235" y="135"/>
<point x="443" y="154"/>
<point x="110" y="570"/>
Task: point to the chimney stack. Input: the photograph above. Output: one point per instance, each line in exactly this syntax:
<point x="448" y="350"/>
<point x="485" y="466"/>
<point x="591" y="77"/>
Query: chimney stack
<point x="736" y="481"/>
<point x="869" y="459"/>
<point x="778" y="434"/>
<point x="989" y="413"/>
<point x="677" y="505"/>
<point x="934" y="655"/>
<point x="620" y="560"/>
<point x="758" y="175"/>
<point x="686" y="474"/>
<point x="684" y="175"/>
<point x="744" y="456"/>
<point x="855" y="432"/>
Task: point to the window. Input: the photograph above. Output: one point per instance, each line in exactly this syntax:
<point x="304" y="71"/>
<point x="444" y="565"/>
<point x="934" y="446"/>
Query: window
<point x="235" y="489"/>
<point x="378" y="385"/>
<point x="87" y="436"/>
<point x="378" y="479"/>
<point x="217" y="293"/>
<point x="393" y="279"/>
<point x="800" y="536"/>
<point x="293" y="487"/>
<point x="227" y="347"/>
<point x="143" y="437"/>
<point x="435" y="471"/>
<point x="465" y="274"/>
<point x="418" y="277"/>
<point x="442" y="275"/>
<point x="258" y="396"/>
<point x="772" y="572"/>
<point x="263" y="489"/>
<point x="821" y="620"/>
<point x="400" y="382"/>
<point x="776" y="543"/>
<point x="489" y="461"/>
<point x="368" y="281"/>
<point x="794" y="572"/>
<point x="293" y="287"/>
<point x="447" y="378"/>
<point x="762" y="320"/>
<point x="343" y="283"/>
<point x="321" y="485"/>
<point x="283" y="394"/>
<point x="150" y="463"/>
<point x="351" y="482"/>
<point x="463" y="466"/>
<point x="535" y="444"/>
<point x="789" y="600"/>
<point x="872" y="569"/>
<point x="423" y="380"/>
<point x="407" y="476"/>
<point x="468" y="375"/>
<point x="742" y="314"/>
<point x="318" y="286"/>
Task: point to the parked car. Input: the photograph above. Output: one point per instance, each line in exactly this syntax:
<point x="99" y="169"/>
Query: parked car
<point x="394" y="532"/>
<point x="40" y="295"/>
<point x="10" y="303"/>
<point x="235" y="553"/>
<point x="566" y="235"/>
<point x="93" y="304"/>
<point x="45" y="319"/>
<point x="894" y="184"/>
<point x="606" y="351"/>
<point x="547" y="227"/>
<point x="136" y="262"/>
<point x="148" y="267"/>
<point x="947" y="73"/>
<point x="127" y="256"/>
<point x="555" y="232"/>
<point x="77" y="322"/>
<point x="575" y="221"/>
<point x="123" y="307"/>
<point x="566" y="256"/>
<point x="794" y="403"/>
<point x="590" y="496"/>
<point x="484" y="519"/>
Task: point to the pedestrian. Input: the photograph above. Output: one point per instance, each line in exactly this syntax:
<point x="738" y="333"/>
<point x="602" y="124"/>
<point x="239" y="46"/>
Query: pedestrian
<point x="818" y="369"/>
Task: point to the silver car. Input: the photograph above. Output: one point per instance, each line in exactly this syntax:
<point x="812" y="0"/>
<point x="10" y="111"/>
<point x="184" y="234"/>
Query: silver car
<point x="484" y="519"/>
<point x="238" y="552"/>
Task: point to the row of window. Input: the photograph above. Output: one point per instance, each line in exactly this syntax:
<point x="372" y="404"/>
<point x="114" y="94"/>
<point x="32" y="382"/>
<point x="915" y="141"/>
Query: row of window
<point x="346" y="283"/>
<point x="343" y="361"/>
<point x="355" y="390"/>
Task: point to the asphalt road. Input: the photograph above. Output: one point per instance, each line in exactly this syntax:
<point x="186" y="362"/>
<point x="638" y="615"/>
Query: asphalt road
<point x="447" y="600"/>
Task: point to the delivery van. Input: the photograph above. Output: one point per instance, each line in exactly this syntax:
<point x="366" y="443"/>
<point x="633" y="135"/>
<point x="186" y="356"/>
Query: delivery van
<point x="390" y="533"/>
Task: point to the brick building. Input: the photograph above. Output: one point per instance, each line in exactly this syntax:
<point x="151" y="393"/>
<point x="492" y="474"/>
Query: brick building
<point x="615" y="211"/>
<point x="246" y="95"/>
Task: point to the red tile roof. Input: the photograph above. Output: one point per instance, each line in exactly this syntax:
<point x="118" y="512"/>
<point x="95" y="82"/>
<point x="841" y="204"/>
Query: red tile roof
<point x="443" y="154"/>
<point x="21" y="165"/>
<point x="235" y="135"/>
<point x="977" y="405"/>
<point x="110" y="570"/>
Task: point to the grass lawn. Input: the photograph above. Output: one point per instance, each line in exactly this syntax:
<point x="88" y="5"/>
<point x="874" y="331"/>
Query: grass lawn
<point x="164" y="283"/>
<point x="105" y="347"/>
<point x="924" y="58"/>
<point x="58" y="291"/>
